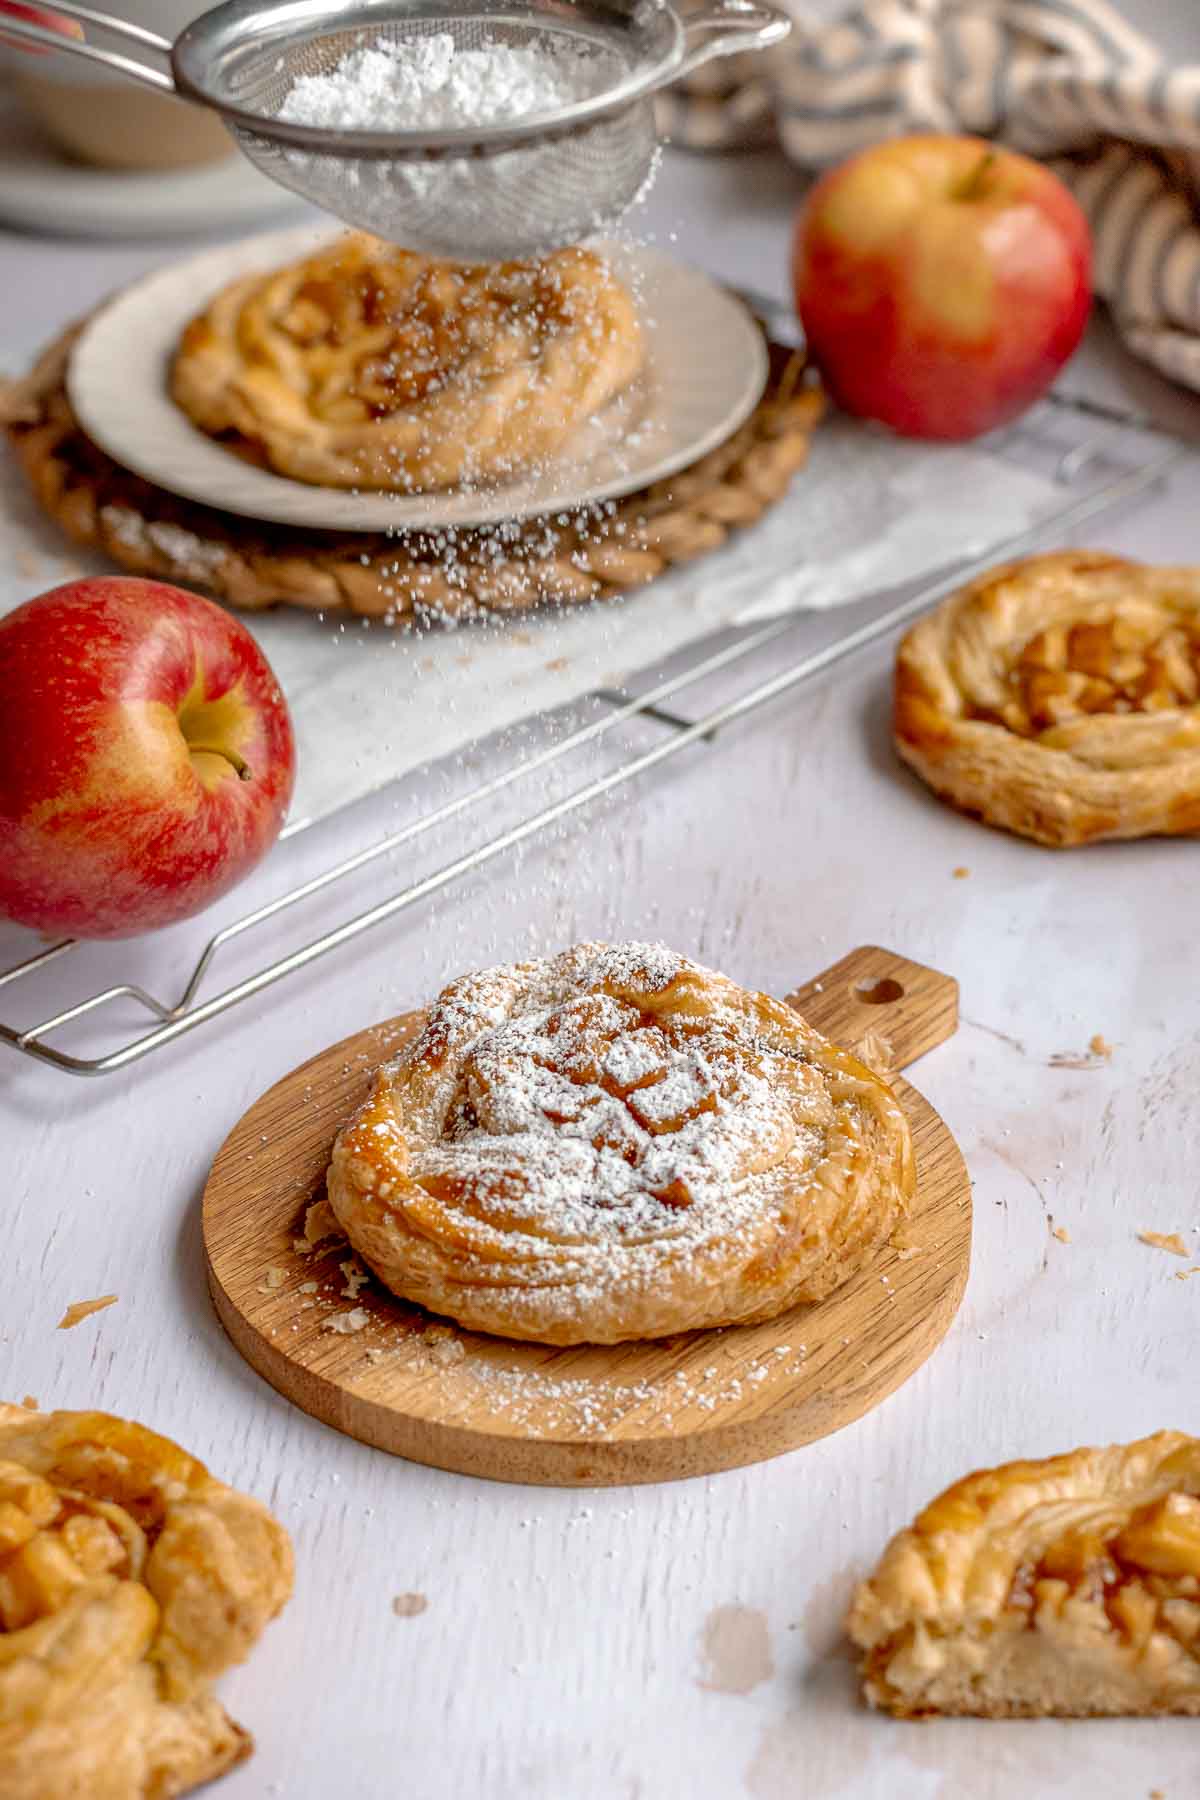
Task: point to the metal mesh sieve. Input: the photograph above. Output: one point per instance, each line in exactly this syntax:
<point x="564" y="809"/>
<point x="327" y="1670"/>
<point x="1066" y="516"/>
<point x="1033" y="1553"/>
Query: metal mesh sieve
<point x="481" y="200"/>
<point x="477" y="192"/>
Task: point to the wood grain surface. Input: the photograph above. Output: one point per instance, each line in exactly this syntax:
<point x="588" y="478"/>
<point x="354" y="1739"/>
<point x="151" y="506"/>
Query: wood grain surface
<point x="387" y="1373"/>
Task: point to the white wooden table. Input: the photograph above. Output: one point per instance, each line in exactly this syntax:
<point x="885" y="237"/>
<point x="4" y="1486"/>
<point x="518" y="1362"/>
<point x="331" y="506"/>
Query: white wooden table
<point x="681" y="1642"/>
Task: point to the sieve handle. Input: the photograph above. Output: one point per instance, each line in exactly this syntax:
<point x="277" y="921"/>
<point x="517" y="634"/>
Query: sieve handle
<point x="134" y="68"/>
<point x="727" y="27"/>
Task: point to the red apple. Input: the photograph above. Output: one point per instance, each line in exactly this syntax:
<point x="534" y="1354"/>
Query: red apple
<point x="942" y="282"/>
<point x="146" y="757"/>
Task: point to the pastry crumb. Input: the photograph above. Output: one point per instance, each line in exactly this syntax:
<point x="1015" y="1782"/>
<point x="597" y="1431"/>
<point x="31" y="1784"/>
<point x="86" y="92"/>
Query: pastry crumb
<point x="356" y="1277"/>
<point x="83" y="1309"/>
<point x="320" y="1222"/>
<point x="1164" y="1240"/>
<point x="1100" y="1046"/>
<point x="29" y="1403"/>
<point x="448" y="1352"/>
<point x="273" y="1280"/>
<point x="436" y="1334"/>
<point x="1061" y="1233"/>
<point x="308" y="1287"/>
<point x="407" y="1606"/>
<point x="346" y="1323"/>
<point x="877" y="1052"/>
<point x="902" y="1243"/>
<point x="1186" y="1274"/>
<point x="961" y="873"/>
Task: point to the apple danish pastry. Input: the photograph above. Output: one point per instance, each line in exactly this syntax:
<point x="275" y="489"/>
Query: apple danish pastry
<point x="370" y="366"/>
<point x="129" y="1580"/>
<point x="1059" y="697"/>
<point x="1069" y="1587"/>
<point x="615" y="1143"/>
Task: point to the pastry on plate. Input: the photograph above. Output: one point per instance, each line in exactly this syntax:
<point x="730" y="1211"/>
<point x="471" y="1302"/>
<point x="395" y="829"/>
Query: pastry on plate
<point x="615" y="1143"/>
<point x="370" y="366"/>
<point x="1059" y="697"/>
<point x="1069" y="1587"/>
<point x="129" y="1580"/>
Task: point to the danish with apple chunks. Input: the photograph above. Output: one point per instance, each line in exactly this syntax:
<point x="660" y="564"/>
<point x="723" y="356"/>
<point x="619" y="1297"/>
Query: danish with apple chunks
<point x="616" y="1143"/>
<point x="129" y="1580"/>
<point x="1066" y="1588"/>
<point x="370" y="366"/>
<point x="1059" y="698"/>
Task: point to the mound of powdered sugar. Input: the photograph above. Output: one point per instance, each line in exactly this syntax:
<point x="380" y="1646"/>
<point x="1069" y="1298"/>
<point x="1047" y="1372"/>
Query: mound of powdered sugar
<point x="429" y="82"/>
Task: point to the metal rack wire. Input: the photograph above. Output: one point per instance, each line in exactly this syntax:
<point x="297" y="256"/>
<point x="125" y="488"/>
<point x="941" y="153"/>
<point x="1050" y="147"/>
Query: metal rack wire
<point x="1099" y="427"/>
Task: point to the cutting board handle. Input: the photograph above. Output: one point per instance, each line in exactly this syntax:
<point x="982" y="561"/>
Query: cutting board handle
<point x="874" y="993"/>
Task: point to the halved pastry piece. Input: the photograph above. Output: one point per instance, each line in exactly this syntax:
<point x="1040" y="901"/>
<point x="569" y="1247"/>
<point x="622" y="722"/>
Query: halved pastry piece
<point x="1069" y="1587"/>
<point x="1059" y="698"/>
<point x="129" y="1580"/>
<point x="365" y="365"/>
<point x="617" y="1143"/>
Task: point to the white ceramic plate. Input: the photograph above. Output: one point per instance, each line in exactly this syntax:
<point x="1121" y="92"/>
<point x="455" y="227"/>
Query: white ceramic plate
<point x="41" y="191"/>
<point x="705" y="372"/>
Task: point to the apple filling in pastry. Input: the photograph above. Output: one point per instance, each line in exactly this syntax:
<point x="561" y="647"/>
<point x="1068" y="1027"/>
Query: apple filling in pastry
<point x="370" y="366"/>
<point x="615" y="1143"/>
<point x="129" y="1580"/>
<point x="1059" y="698"/>
<point x="1069" y="1587"/>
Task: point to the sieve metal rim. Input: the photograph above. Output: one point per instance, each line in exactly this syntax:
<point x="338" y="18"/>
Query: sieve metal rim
<point x="216" y="34"/>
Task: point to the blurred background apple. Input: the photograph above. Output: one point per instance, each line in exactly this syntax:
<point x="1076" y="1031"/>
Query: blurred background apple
<point x="943" y="282"/>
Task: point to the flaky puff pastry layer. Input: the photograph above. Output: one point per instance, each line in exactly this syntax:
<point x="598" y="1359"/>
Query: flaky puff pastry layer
<point x="615" y="1143"/>
<point x="1069" y="1587"/>
<point x="370" y="366"/>
<point x="129" y="1580"/>
<point x="1059" y="698"/>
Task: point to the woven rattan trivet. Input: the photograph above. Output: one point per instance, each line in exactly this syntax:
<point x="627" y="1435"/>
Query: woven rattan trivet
<point x="596" y="554"/>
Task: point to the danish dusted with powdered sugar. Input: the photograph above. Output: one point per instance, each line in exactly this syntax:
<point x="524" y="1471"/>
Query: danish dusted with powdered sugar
<point x="129" y="1580"/>
<point x="370" y="366"/>
<point x="1069" y="1587"/>
<point x="1059" y="698"/>
<point x="615" y="1143"/>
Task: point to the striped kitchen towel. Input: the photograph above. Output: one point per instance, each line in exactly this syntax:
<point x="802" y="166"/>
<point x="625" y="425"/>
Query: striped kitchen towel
<point x="1068" y="81"/>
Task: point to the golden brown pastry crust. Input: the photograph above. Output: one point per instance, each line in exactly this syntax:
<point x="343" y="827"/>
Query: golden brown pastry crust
<point x="1059" y="698"/>
<point x="615" y="1143"/>
<point x="129" y="1580"/>
<point x="369" y="366"/>
<point x="1069" y="1587"/>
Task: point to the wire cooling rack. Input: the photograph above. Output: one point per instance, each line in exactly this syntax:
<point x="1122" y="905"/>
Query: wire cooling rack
<point x="1100" y="457"/>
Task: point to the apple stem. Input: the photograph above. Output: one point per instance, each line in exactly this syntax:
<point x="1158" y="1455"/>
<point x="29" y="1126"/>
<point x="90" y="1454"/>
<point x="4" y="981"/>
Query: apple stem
<point x="972" y="185"/>
<point x="244" y="772"/>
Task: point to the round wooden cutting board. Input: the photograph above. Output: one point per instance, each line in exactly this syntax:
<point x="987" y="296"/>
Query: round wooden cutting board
<point x="385" y="1372"/>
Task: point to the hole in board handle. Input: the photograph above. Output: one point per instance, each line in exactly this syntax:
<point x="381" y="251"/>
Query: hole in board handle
<point x="879" y="993"/>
